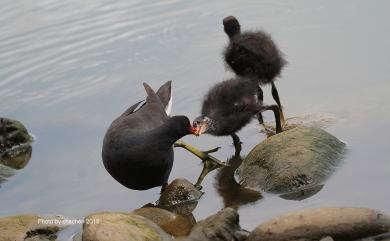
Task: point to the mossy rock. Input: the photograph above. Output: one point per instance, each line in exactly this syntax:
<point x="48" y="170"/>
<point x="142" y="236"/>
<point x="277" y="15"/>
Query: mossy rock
<point x="15" y="144"/>
<point x="180" y="196"/>
<point x="27" y="228"/>
<point x="120" y="226"/>
<point x="315" y="224"/>
<point x="294" y="160"/>
<point x="172" y="223"/>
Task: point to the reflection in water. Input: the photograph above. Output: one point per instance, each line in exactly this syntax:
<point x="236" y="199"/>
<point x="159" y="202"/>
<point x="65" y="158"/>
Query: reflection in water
<point x="303" y="193"/>
<point x="233" y="194"/>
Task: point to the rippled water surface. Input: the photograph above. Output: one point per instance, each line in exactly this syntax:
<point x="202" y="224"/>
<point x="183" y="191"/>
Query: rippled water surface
<point x="68" y="68"/>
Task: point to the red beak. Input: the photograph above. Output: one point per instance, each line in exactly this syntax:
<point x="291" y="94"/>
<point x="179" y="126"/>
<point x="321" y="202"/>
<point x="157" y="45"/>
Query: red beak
<point x="194" y="130"/>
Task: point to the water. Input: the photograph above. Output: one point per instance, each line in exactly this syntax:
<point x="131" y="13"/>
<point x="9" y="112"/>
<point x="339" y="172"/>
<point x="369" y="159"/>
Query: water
<point x="69" y="68"/>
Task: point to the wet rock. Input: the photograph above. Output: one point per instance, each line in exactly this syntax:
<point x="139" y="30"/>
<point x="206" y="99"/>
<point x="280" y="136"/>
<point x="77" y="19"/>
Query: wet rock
<point x="294" y="160"/>
<point x="315" y="224"/>
<point x="327" y="238"/>
<point x="5" y="173"/>
<point x="223" y="226"/>
<point x="180" y="196"/>
<point x="28" y="228"/>
<point x="109" y="226"/>
<point x="172" y="223"/>
<point x="12" y="133"/>
<point x="15" y="144"/>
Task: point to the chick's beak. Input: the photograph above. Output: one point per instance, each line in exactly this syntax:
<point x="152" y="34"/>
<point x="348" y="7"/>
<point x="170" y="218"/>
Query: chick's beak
<point x="199" y="128"/>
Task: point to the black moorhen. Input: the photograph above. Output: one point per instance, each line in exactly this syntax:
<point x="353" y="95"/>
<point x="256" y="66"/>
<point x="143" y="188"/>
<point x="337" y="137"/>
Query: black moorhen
<point x="253" y="54"/>
<point x="138" y="146"/>
<point x="229" y="106"/>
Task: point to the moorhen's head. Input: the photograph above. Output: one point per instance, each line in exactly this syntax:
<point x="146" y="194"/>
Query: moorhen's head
<point x="231" y="26"/>
<point x="180" y="126"/>
<point x="202" y="124"/>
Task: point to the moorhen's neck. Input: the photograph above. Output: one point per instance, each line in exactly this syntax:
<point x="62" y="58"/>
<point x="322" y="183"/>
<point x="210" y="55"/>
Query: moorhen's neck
<point x="169" y="133"/>
<point x="232" y="35"/>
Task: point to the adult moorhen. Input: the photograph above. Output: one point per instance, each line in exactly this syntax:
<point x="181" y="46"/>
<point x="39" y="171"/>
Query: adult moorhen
<point x="229" y="106"/>
<point x="253" y="54"/>
<point x="138" y="146"/>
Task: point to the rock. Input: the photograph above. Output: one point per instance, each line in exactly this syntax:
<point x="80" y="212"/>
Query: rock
<point x="15" y="144"/>
<point x="12" y="133"/>
<point x="28" y="228"/>
<point x="118" y="226"/>
<point x="180" y="196"/>
<point x="315" y="224"/>
<point x="174" y="224"/>
<point x="18" y="157"/>
<point x="327" y="238"/>
<point x="223" y="226"/>
<point x="294" y="160"/>
<point x="380" y="237"/>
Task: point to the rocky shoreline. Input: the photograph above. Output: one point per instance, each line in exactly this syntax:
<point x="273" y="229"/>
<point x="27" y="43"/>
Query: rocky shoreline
<point x="294" y="164"/>
<point x="153" y="223"/>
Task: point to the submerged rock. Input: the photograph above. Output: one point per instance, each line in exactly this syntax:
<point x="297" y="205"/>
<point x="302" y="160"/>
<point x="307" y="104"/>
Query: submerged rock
<point x="15" y="144"/>
<point x="180" y="196"/>
<point x="110" y="226"/>
<point x="315" y="224"/>
<point x="294" y="160"/>
<point x="223" y="226"/>
<point x="172" y="223"/>
<point x="28" y="228"/>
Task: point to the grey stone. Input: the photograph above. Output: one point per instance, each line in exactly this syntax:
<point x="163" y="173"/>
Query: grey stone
<point x="315" y="224"/>
<point x="120" y="226"/>
<point x="180" y="196"/>
<point x="297" y="159"/>
<point x="28" y="228"/>
<point x="223" y="226"/>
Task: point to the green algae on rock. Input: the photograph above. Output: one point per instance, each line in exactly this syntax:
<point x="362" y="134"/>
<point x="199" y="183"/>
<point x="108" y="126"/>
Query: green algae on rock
<point x="120" y="226"/>
<point x="180" y="196"/>
<point x="294" y="160"/>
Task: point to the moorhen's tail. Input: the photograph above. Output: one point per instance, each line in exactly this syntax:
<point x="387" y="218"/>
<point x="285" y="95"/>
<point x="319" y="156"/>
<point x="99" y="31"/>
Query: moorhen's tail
<point x="152" y="96"/>
<point x="165" y="95"/>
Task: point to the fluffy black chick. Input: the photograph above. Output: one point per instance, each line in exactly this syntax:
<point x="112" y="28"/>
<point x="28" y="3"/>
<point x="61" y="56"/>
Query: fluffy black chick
<point x="254" y="55"/>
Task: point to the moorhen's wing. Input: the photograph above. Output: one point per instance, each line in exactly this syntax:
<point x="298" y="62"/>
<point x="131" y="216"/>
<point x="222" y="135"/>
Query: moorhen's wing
<point x="165" y="95"/>
<point x="133" y="108"/>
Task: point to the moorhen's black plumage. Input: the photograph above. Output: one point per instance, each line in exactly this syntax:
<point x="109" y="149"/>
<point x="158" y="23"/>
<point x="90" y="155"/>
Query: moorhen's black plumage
<point x="137" y="148"/>
<point x="229" y="106"/>
<point x="253" y="54"/>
